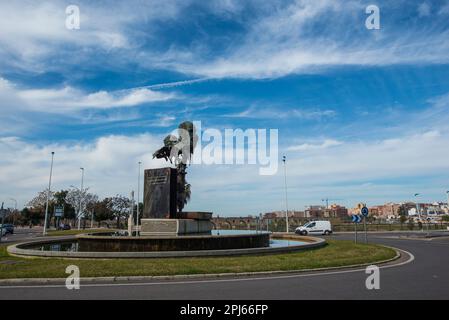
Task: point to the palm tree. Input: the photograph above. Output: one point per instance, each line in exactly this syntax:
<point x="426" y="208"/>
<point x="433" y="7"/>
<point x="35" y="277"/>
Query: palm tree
<point x="187" y="193"/>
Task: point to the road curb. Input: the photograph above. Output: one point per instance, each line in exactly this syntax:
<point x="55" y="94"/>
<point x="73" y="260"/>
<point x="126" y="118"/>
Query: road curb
<point x="24" y="281"/>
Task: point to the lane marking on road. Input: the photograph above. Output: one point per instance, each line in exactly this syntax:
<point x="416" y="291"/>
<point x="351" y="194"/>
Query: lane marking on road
<point x="409" y="260"/>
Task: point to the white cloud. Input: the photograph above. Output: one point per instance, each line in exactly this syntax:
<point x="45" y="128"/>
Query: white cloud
<point x="110" y="164"/>
<point x="34" y="29"/>
<point x="350" y="170"/>
<point x="444" y="9"/>
<point x="372" y="171"/>
<point x="279" y="38"/>
<point x="71" y="99"/>
<point x="307" y="146"/>
<point x="285" y="41"/>
<point x="271" y="113"/>
<point x="424" y="9"/>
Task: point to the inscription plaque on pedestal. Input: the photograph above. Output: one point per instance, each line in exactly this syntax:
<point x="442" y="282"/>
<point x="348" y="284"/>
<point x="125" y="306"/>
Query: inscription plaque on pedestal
<point x="159" y="193"/>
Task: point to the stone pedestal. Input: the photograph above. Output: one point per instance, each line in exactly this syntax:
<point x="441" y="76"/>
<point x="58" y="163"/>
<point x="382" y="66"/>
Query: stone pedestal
<point x="130" y="225"/>
<point x="189" y="223"/>
<point x="159" y="193"/>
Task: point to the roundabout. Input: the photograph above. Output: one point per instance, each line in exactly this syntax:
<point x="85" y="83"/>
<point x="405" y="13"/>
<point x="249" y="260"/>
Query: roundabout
<point x="327" y="254"/>
<point x="400" y="279"/>
<point x="220" y="243"/>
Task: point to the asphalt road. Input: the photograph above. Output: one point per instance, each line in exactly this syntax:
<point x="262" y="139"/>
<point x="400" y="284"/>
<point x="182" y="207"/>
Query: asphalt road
<point x="22" y="234"/>
<point x="425" y="277"/>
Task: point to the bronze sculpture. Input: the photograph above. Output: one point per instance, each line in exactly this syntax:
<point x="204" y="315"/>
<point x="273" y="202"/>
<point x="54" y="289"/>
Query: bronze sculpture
<point x="179" y="150"/>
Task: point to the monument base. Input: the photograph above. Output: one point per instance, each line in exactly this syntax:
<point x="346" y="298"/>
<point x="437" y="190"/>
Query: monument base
<point x="172" y="227"/>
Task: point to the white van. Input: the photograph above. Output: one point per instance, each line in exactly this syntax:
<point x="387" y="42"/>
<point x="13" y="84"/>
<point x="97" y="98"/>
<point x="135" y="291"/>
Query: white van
<point x="315" y="227"/>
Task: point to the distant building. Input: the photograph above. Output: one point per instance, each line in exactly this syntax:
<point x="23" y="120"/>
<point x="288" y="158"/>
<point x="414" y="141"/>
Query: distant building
<point x="385" y="211"/>
<point x="337" y="211"/>
<point x="334" y="211"/>
<point x="314" y="211"/>
<point x="281" y="214"/>
<point x="412" y="212"/>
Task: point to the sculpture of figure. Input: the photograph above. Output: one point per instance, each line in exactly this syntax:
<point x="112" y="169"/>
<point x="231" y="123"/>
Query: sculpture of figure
<point x="179" y="150"/>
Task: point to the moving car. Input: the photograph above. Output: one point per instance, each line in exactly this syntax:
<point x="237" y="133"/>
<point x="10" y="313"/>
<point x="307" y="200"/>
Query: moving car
<point x="9" y="228"/>
<point x="315" y="227"/>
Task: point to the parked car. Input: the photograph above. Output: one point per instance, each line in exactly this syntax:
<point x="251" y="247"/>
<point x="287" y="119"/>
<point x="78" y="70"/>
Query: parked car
<point x="64" y="227"/>
<point x="9" y="228"/>
<point x="315" y="227"/>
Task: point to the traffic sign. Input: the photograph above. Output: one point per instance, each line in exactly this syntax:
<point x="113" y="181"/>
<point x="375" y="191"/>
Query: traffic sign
<point x="59" y="211"/>
<point x="356" y="218"/>
<point x="364" y="211"/>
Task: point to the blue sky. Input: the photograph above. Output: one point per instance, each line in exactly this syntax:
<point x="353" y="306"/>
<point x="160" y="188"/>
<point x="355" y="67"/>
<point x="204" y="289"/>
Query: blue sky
<point x="362" y="114"/>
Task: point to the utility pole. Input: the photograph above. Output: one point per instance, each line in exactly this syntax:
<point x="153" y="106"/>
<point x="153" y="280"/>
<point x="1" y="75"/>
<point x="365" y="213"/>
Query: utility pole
<point x="15" y="208"/>
<point x="81" y="196"/>
<point x="48" y="194"/>
<point x="286" y="197"/>
<point x="138" y="201"/>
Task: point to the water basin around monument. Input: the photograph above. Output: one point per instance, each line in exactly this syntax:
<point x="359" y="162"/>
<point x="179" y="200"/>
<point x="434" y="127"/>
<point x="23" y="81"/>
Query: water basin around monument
<point x="73" y="245"/>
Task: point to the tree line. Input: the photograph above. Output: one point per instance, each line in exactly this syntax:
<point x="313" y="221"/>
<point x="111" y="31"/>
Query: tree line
<point x="114" y="209"/>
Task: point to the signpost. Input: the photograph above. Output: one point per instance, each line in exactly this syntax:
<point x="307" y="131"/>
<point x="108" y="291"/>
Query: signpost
<point x="59" y="212"/>
<point x="364" y="211"/>
<point x="356" y="219"/>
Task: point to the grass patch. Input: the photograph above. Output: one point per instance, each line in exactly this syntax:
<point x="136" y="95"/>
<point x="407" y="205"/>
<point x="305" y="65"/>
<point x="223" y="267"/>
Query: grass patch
<point x="336" y="253"/>
<point x="75" y="232"/>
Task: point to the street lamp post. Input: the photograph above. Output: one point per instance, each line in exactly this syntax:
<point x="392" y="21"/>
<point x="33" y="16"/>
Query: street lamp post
<point x="286" y="198"/>
<point x="418" y="211"/>
<point x="138" y="201"/>
<point x="92" y="219"/>
<point x="81" y="195"/>
<point x="2" y="216"/>
<point x="447" y="192"/>
<point x="327" y="202"/>
<point x="131" y="212"/>
<point x="15" y="208"/>
<point x="48" y="194"/>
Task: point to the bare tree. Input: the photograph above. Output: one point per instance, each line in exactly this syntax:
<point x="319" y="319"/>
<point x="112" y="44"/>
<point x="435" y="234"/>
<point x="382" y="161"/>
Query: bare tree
<point x="39" y="201"/>
<point x="119" y="206"/>
<point x="75" y="197"/>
